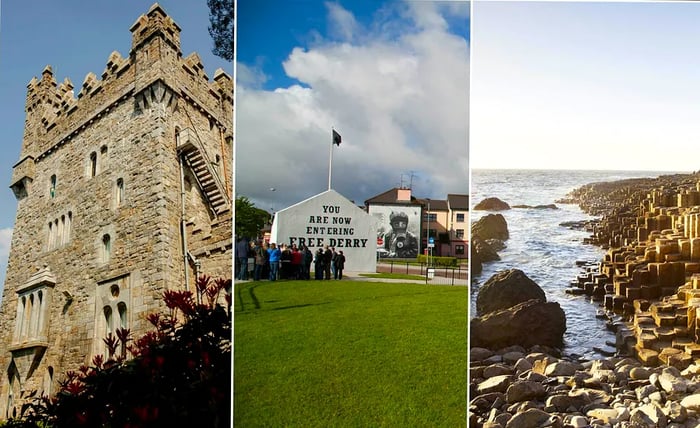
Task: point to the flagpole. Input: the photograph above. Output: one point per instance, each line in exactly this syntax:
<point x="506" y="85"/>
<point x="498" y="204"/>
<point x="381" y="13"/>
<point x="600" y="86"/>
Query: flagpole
<point x="330" y="161"/>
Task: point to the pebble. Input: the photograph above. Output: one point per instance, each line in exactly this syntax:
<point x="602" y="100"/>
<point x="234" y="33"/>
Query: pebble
<point x="538" y="389"/>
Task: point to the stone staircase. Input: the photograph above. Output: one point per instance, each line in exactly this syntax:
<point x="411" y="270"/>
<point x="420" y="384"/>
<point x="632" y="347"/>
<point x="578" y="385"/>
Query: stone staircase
<point x="208" y="180"/>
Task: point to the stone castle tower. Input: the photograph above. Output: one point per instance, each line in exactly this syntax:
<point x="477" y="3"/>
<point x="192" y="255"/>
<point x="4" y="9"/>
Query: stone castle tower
<point x="123" y="192"/>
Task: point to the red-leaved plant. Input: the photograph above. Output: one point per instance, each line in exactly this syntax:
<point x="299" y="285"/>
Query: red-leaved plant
<point x="177" y="375"/>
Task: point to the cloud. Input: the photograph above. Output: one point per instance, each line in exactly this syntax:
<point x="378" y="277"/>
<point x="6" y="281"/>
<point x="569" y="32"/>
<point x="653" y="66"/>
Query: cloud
<point x="342" y="22"/>
<point x="250" y="76"/>
<point x="399" y="99"/>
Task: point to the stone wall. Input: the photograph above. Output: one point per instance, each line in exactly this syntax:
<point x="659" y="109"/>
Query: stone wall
<point x="63" y="279"/>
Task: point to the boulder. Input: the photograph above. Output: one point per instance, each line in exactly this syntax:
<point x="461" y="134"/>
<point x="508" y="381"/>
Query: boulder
<point x="506" y="289"/>
<point x="485" y="250"/>
<point x="475" y="262"/>
<point x="530" y="323"/>
<point x="491" y="226"/>
<point x="492" y="204"/>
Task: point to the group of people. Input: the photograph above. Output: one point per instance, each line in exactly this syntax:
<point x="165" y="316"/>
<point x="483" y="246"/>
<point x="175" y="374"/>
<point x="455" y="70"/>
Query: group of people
<point x="287" y="262"/>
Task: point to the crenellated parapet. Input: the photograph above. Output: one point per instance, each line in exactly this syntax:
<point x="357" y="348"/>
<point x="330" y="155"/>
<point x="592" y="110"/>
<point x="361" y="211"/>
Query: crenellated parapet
<point x="55" y="114"/>
<point x="155" y="23"/>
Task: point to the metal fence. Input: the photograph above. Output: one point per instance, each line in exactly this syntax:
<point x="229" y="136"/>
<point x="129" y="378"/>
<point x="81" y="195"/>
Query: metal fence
<point x="442" y="275"/>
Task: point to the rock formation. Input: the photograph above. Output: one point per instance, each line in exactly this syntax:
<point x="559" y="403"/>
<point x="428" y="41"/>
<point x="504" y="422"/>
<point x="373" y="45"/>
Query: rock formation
<point x="505" y="289"/>
<point x="491" y="204"/>
<point x="512" y="310"/>
<point x="491" y="226"/>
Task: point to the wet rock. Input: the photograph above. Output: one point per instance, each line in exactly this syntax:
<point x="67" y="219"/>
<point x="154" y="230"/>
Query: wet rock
<point x="506" y="289"/>
<point x="491" y="204"/>
<point x="486" y="250"/>
<point x="491" y="226"/>
<point x="524" y="324"/>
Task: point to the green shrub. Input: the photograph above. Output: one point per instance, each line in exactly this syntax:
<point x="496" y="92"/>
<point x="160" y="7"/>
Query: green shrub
<point x="438" y="261"/>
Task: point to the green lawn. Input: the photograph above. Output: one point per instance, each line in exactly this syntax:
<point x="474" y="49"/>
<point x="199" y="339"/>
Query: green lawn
<point x="349" y="354"/>
<point x="394" y="276"/>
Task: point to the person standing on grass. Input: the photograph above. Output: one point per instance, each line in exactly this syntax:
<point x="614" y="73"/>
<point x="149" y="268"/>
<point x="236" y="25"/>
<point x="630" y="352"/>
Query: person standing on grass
<point x="327" y="257"/>
<point x="242" y="256"/>
<point x="259" y="254"/>
<point x="307" y="257"/>
<point x="297" y="262"/>
<point x="318" y="264"/>
<point x="275" y="255"/>
<point x="333" y="254"/>
<point x="339" y="265"/>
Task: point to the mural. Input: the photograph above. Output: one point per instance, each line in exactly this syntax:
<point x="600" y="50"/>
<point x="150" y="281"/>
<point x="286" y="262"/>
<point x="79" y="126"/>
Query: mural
<point x="398" y="230"/>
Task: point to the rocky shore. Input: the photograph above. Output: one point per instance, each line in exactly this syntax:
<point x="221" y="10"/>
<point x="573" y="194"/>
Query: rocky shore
<point x="649" y="279"/>
<point x="516" y="387"/>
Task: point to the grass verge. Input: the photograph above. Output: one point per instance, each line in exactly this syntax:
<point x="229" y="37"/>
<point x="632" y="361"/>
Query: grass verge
<point x="387" y="275"/>
<point x="349" y="353"/>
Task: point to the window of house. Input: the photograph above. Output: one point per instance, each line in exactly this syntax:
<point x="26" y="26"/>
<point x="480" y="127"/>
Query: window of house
<point x="177" y="136"/>
<point x="119" y="191"/>
<point x="460" y="218"/>
<point x="430" y="217"/>
<point x="459" y="249"/>
<point x="106" y="247"/>
<point x="52" y="189"/>
<point x="460" y="233"/>
<point x="93" y="164"/>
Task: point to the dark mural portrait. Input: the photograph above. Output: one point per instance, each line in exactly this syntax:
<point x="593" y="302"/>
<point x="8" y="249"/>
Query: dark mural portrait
<point x="398" y="229"/>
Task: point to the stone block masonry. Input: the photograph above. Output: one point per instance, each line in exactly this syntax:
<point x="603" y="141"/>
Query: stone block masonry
<point x="123" y="192"/>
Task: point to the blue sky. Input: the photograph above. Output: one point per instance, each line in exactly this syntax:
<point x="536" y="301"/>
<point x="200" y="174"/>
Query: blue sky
<point x="585" y="85"/>
<point x="75" y="38"/>
<point x="391" y="77"/>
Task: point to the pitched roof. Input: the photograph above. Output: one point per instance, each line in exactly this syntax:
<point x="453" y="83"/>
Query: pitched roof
<point x="435" y="204"/>
<point x="458" y="202"/>
<point x="391" y="196"/>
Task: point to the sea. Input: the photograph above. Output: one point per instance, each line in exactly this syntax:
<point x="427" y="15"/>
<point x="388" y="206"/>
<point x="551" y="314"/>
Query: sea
<point x="543" y="249"/>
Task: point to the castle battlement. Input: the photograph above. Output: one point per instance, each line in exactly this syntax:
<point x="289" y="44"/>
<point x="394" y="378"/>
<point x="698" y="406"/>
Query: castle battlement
<point x="55" y="115"/>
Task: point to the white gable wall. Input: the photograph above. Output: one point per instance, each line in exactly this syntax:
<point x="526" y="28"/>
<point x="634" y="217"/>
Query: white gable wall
<point x="330" y="219"/>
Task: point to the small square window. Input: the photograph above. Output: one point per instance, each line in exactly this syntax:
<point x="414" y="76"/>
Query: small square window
<point x="460" y="233"/>
<point x="459" y="249"/>
<point x="460" y="218"/>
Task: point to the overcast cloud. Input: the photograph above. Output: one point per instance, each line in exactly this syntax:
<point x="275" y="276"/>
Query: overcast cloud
<point x="397" y="92"/>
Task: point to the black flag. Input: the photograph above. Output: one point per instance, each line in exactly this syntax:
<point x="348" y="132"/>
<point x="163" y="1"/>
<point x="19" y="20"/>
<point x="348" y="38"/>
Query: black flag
<point x="336" y="138"/>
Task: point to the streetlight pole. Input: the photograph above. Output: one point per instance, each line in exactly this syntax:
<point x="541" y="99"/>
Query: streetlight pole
<point x="430" y="250"/>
